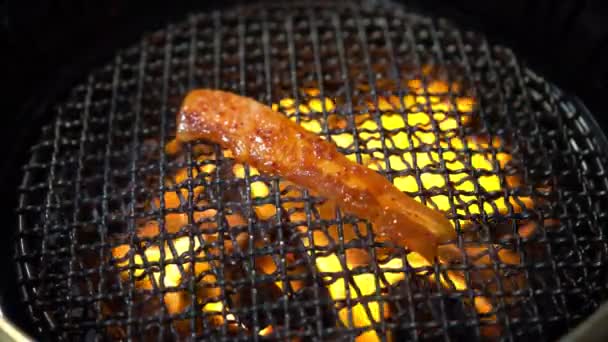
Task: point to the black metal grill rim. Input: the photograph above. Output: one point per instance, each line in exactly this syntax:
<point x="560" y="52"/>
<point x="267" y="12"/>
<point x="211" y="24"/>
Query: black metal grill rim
<point x="574" y="137"/>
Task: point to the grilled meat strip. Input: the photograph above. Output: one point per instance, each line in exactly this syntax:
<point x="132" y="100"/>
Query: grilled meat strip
<point x="271" y="142"/>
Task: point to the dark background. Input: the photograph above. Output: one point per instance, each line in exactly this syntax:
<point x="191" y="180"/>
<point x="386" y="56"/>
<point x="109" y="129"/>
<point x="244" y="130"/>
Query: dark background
<point x="45" y="46"/>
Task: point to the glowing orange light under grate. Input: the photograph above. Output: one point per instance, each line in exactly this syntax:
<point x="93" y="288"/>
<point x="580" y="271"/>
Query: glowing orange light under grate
<point x="387" y="124"/>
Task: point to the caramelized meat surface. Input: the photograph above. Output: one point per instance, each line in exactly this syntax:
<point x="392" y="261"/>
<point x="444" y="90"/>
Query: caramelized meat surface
<point x="271" y="142"/>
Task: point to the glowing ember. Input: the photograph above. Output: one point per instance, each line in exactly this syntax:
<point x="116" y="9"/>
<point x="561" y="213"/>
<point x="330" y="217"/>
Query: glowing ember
<point x="414" y="158"/>
<point x="421" y="112"/>
<point x="266" y="331"/>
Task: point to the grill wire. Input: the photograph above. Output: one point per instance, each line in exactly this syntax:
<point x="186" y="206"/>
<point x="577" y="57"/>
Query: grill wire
<point x="99" y="172"/>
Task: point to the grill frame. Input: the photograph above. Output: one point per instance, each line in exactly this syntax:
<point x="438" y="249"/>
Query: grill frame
<point x="591" y="123"/>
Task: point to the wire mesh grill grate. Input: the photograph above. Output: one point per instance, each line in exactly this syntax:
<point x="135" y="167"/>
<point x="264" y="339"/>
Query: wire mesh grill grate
<point x="120" y="239"/>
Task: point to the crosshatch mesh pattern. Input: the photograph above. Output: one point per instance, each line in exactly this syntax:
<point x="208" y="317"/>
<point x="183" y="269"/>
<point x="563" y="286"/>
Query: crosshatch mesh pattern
<point x="123" y="236"/>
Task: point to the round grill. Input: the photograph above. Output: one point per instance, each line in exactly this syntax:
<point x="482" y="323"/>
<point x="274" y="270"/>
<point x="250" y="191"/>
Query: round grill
<point x="122" y="237"/>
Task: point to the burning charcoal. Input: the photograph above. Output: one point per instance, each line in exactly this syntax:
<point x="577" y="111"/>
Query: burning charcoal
<point x="428" y="307"/>
<point x="309" y="300"/>
<point x="267" y="295"/>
